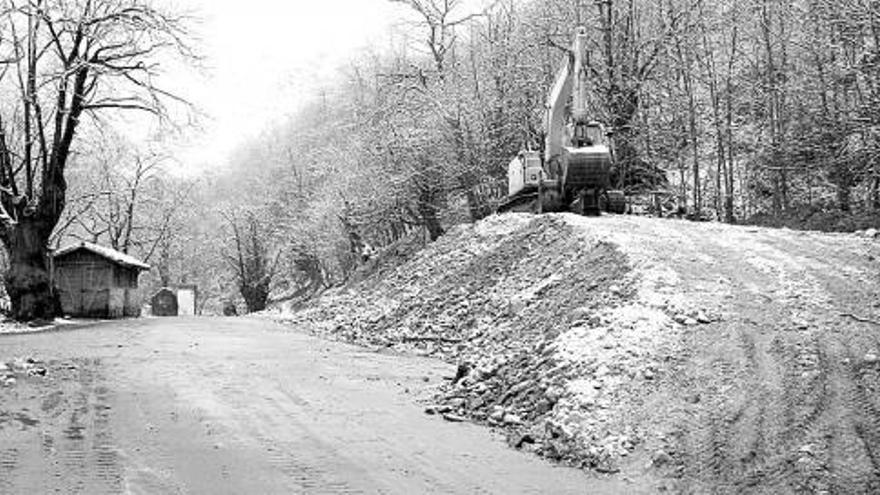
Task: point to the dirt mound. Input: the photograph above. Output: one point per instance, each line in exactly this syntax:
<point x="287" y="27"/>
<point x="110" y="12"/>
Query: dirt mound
<point x="542" y="317"/>
<point x="705" y="357"/>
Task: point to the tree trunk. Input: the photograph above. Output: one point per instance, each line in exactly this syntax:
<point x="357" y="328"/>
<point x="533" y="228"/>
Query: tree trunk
<point x="843" y="197"/>
<point x="777" y="193"/>
<point x="428" y="212"/>
<point x="875" y="187"/>
<point x="845" y="182"/>
<point x="695" y="144"/>
<point x="28" y="282"/>
<point x="432" y="223"/>
<point x="477" y="206"/>
<point x="255" y="296"/>
<point x="729" y="180"/>
<point x="682" y="191"/>
<point x="626" y="156"/>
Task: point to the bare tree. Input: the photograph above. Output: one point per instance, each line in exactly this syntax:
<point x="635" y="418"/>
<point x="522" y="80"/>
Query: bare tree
<point x="441" y="17"/>
<point x="66" y="60"/>
<point x="121" y="205"/>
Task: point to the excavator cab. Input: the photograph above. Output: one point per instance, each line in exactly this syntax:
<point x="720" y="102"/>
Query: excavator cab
<point x="587" y="134"/>
<point x="581" y="137"/>
<point x="524" y="171"/>
<point x="595" y="133"/>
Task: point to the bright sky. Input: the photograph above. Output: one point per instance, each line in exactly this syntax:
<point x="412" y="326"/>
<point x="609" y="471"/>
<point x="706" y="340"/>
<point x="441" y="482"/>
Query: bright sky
<point x="265" y="57"/>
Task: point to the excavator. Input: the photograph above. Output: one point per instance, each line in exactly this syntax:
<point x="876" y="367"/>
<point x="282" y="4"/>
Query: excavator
<point x="573" y="171"/>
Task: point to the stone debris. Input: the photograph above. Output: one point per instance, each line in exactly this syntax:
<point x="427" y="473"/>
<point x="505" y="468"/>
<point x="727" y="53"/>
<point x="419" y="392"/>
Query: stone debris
<point x="702" y="317"/>
<point x="37" y="371"/>
<point x="18" y="367"/>
<point x="523" y="440"/>
<point x="660" y="458"/>
<point x="454" y="418"/>
<point x="512" y="419"/>
<point x="869" y="233"/>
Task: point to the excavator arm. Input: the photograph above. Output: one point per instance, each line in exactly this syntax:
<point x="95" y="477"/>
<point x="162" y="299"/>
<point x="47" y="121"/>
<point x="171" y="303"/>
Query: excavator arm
<point x="554" y="117"/>
<point x="571" y="81"/>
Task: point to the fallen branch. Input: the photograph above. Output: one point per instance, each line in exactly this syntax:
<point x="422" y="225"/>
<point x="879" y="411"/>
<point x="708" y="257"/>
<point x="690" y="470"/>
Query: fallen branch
<point x="861" y="319"/>
<point x="444" y="340"/>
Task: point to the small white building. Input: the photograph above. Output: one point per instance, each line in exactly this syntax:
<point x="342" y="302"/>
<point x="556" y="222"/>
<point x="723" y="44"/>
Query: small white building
<point x="186" y="300"/>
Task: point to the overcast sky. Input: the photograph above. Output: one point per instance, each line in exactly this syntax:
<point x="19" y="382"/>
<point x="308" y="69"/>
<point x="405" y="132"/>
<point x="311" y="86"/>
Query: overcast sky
<point x="265" y="57"/>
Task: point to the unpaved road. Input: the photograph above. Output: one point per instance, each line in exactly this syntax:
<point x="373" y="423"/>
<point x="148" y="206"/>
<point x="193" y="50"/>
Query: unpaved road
<point x="242" y="406"/>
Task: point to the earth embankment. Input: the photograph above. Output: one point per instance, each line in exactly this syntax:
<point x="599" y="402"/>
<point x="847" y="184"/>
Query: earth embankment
<point x="706" y="356"/>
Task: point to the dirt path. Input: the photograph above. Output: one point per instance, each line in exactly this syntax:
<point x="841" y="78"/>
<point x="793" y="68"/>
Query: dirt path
<point x="780" y="394"/>
<point x="237" y="406"/>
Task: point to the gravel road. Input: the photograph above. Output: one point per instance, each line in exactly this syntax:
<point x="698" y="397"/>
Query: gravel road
<point x="240" y="406"/>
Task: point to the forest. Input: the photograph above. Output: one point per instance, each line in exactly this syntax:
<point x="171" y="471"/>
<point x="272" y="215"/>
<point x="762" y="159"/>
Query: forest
<point x="753" y="111"/>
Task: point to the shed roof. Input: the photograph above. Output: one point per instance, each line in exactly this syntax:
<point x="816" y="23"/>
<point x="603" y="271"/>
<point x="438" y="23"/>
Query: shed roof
<point x="105" y="252"/>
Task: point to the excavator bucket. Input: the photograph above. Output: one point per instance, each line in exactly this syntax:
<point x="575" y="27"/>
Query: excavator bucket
<point x="586" y="168"/>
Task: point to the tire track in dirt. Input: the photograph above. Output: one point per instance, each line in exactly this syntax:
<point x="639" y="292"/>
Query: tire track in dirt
<point x="733" y="438"/>
<point x="802" y="400"/>
<point x="838" y="454"/>
<point x="75" y="443"/>
<point x="729" y="436"/>
<point x="305" y="464"/>
<point x="73" y="447"/>
<point x="106" y="458"/>
<point x="865" y="416"/>
<point x="771" y="393"/>
<point x="814" y="397"/>
<point x="747" y="439"/>
<point x="8" y="464"/>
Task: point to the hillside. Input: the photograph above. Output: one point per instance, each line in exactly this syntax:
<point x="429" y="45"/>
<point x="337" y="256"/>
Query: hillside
<point x="688" y="355"/>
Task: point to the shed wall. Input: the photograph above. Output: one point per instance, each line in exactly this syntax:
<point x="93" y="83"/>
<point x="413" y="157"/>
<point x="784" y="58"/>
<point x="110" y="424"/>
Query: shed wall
<point x="92" y="286"/>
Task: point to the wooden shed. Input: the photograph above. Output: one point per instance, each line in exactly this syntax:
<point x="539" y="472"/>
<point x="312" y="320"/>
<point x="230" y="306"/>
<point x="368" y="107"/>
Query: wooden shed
<point x="97" y="282"/>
